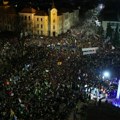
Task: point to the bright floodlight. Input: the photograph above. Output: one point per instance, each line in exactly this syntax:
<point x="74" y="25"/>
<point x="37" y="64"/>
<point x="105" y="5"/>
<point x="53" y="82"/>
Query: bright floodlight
<point x="101" y="6"/>
<point x="106" y="74"/>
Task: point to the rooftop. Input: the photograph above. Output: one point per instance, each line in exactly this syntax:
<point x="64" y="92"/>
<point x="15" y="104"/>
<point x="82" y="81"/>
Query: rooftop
<point x="28" y="10"/>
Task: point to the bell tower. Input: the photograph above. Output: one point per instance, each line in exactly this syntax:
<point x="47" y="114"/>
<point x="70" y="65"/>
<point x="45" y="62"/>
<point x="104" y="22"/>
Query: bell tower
<point x="53" y="20"/>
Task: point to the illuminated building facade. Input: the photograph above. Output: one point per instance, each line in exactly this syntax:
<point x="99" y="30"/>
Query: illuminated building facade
<point x="52" y="22"/>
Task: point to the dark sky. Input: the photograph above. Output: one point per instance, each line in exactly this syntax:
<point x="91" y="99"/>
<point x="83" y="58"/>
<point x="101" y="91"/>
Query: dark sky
<point x="111" y="10"/>
<point x="86" y="4"/>
<point x="110" y="5"/>
<point x="42" y="2"/>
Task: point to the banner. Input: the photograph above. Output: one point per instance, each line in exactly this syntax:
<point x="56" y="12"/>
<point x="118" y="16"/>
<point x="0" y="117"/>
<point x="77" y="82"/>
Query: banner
<point x="87" y="51"/>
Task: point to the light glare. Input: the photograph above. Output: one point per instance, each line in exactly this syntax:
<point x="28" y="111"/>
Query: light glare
<point x="106" y="74"/>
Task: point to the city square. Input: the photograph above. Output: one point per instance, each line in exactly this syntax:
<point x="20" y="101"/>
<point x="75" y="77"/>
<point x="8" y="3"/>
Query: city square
<point x="68" y="74"/>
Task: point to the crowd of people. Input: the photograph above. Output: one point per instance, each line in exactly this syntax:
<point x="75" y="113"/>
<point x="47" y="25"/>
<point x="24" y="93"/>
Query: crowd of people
<point x="40" y="85"/>
<point x="39" y="82"/>
<point x="45" y="83"/>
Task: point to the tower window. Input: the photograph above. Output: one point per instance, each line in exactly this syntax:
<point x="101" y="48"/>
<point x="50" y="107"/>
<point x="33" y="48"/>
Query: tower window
<point x="54" y="21"/>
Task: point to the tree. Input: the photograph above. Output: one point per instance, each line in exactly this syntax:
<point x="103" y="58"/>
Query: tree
<point x="116" y="38"/>
<point x="100" y="30"/>
<point x="109" y="31"/>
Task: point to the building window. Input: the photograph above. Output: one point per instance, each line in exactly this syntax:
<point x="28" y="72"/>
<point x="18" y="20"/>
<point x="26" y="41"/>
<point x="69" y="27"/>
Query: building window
<point x="37" y="19"/>
<point x="53" y="26"/>
<point x="29" y="17"/>
<point x="37" y="25"/>
<point x="41" y="32"/>
<point x="53" y="33"/>
<point x="38" y="32"/>
<point x="41" y="19"/>
<point x="41" y="26"/>
<point x="25" y="17"/>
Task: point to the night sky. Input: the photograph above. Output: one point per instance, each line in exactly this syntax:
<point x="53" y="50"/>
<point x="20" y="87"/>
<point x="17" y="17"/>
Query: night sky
<point x="45" y="4"/>
<point x="110" y="5"/>
<point x="61" y="3"/>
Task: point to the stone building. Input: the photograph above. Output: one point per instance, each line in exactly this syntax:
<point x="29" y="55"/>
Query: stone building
<point x="52" y="22"/>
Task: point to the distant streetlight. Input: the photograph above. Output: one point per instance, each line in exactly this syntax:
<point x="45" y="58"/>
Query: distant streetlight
<point x="106" y="74"/>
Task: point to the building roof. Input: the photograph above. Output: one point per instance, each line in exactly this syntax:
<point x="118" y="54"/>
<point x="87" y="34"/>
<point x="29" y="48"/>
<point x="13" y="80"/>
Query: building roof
<point x="41" y="13"/>
<point x="28" y="10"/>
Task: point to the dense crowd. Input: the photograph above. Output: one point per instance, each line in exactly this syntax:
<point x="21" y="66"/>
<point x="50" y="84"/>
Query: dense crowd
<point x="40" y="85"/>
<point x="39" y="82"/>
<point x="46" y="83"/>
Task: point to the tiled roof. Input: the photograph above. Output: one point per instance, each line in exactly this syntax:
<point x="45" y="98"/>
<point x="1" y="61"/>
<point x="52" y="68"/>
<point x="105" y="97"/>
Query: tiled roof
<point x="28" y="10"/>
<point x="41" y="13"/>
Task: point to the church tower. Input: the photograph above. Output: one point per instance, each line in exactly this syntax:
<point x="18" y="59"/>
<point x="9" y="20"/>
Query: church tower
<point x="53" y="21"/>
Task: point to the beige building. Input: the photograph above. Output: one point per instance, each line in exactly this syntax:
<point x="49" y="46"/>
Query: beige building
<point x="38" y="22"/>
